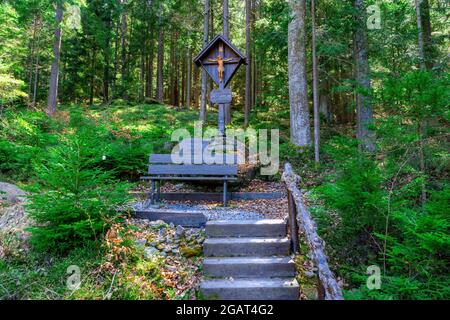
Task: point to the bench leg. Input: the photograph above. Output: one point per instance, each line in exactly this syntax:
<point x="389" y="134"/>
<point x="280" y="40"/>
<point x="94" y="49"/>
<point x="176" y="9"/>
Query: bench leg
<point x="159" y="191"/>
<point x="225" y="193"/>
<point x="152" y="194"/>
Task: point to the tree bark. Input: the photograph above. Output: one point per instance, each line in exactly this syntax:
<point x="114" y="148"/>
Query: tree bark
<point x="298" y="90"/>
<point x="364" y="112"/>
<point x="204" y="74"/>
<point x="54" y="73"/>
<point x="149" y="86"/>
<point x="173" y="71"/>
<point x="254" y="73"/>
<point x="107" y="57"/>
<point x="424" y="34"/>
<point x="226" y="33"/>
<point x="189" y="78"/>
<point x="124" y="28"/>
<point x="248" y="68"/>
<point x="315" y="85"/>
<point x="116" y="60"/>
<point x="423" y="66"/>
<point x="323" y="107"/>
<point x="160" y="73"/>
<point x="196" y="87"/>
<point x="36" y="69"/>
<point x="92" y="84"/>
<point x="421" y="41"/>
<point x="226" y="19"/>
<point x="31" y="57"/>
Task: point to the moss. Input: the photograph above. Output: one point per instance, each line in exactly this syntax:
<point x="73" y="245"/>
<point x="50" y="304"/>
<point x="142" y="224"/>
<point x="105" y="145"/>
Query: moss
<point x="189" y="252"/>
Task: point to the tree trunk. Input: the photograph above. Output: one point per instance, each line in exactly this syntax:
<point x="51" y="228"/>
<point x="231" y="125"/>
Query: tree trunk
<point x="424" y="34"/>
<point x="254" y="77"/>
<point x="116" y="61"/>
<point x="36" y="70"/>
<point x="189" y="78"/>
<point x="298" y="90"/>
<point x="226" y="19"/>
<point x="204" y="74"/>
<point x="31" y="57"/>
<point x="92" y="82"/>
<point x="124" y="49"/>
<point x="226" y="33"/>
<point x="423" y="66"/>
<point x="421" y="41"/>
<point x="315" y="85"/>
<point x="364" y="112"/>
<point x="160" y="84"/>
<point x="36" y="80"/>
<point x="54" y="73"/>
<point x="248" y="68"/>
<point x="149" y="86"/>
<point x="196" y="87"/>
<point x="177" y="75"/>
<point x="323" y="107"/>
<point x="107" y="57"/>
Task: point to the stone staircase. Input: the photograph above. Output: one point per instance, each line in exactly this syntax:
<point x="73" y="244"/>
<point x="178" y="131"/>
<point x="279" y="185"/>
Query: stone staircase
<point x="248" y="260"/>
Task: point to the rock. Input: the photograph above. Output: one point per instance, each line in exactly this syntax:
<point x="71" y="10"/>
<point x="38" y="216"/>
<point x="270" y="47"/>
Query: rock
<point x="178" y="186"/>
<point x="180" y="231"/>
<point x="149" y="252"/>
<point x="162" y="233"/>
<point x="172" y="268"/>
<point x="140" y="243"/>
<point x="310" y="292"/>
<point x="11" y="193"/>
<point x="157" y="224"/>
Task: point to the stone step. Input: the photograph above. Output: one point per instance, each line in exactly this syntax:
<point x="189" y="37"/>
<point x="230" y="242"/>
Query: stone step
<point x="238" y="247"/>
<point x="251" y="289"/>
<point x="246" y="228"/>
<point x="249" y="267"/>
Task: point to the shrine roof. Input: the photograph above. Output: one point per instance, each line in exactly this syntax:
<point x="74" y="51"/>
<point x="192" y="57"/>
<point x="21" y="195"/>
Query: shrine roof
<point x="211" y="44"/>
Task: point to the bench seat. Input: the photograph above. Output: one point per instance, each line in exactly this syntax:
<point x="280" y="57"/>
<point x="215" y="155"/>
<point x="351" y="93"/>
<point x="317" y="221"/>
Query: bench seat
<point x="189" y="178"/>
<point x="161" y="168"/>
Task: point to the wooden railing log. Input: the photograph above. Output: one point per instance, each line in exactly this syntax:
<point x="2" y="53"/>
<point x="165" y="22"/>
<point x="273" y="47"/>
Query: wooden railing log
<point x="315" y="243"/>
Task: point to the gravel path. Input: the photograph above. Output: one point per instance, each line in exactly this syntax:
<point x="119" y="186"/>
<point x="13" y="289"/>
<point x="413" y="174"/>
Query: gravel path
<point x="210" y="212"/>
<point x="236" y="210"/>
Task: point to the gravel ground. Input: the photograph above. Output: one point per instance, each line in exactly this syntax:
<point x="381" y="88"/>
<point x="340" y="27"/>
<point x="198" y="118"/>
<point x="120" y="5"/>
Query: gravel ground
<point x="237" y="209"/>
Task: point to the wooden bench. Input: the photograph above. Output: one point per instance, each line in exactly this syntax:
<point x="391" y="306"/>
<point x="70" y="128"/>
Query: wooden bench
<point x="161" y="168"/>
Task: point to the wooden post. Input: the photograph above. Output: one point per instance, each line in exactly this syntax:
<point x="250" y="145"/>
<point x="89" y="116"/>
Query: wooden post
<point x="221" y="120"/>
<point x="152" y="195"/>
<point x="293" y="226"/>
<point x="159" y="191"/>
<point x="225" y="192"/>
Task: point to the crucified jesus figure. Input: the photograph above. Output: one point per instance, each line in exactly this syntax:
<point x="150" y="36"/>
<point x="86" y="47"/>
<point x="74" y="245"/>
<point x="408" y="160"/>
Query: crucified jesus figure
<point x="220" y="65"/>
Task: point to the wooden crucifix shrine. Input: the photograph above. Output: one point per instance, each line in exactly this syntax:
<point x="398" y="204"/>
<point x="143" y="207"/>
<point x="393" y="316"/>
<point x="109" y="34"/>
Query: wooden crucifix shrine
<point x="221" y="59"/>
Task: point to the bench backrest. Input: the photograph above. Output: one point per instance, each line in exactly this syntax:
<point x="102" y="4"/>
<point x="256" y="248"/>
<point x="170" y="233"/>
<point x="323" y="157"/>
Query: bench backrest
<point x="200" y="169"/>
<point x="167" y="159"/>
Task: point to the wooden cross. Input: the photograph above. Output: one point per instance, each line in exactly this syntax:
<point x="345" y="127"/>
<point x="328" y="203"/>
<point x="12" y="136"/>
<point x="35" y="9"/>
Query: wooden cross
<point x="220" y="61"/>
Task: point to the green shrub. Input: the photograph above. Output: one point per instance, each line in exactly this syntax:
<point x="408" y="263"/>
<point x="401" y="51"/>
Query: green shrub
<point x="373" y="216"/>
<point x="75" y="201"/>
